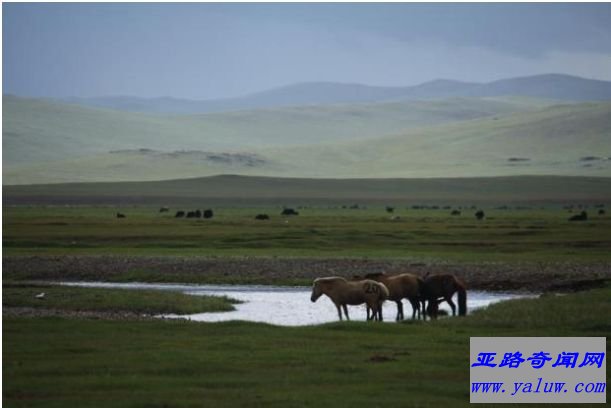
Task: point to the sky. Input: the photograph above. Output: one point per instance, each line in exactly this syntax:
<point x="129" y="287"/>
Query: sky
<point x="207" y="51"/>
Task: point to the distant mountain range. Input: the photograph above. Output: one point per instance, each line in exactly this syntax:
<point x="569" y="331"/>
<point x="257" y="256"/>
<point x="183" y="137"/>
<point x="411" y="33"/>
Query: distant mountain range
<point x="547" y="86"/>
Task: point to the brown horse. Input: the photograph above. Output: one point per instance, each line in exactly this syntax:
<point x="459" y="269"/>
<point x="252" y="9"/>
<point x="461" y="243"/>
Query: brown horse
<point x="437" y="288"/>
<point x="405" y="285"/>
<point x="342" y="293"/>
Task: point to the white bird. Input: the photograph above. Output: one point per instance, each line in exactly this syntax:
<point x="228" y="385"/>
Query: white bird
<point x="40" y="295"/>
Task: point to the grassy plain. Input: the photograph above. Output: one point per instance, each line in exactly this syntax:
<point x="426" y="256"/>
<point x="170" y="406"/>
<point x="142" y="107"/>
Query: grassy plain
<point x="58" y="362"/>
<point x="521" y="235"/>
<point x="68" y="298"/>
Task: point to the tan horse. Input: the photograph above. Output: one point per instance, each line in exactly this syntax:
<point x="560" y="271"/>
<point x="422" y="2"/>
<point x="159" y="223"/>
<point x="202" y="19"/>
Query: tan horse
<point x="342" y="293"/>
<point x="405" y="285"/>
<point x="437" y="288"/>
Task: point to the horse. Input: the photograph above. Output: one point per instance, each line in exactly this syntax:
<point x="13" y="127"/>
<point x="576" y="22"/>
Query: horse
<point x="343" y="292"/>
<point x="405" y="285"/>
<point x="437" y="288"/>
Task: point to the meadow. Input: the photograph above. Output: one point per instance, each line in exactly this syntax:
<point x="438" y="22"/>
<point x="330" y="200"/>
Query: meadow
<point x="532" y="234"/>
<point x="92" y="347"/>
<point x="57" y="362"/>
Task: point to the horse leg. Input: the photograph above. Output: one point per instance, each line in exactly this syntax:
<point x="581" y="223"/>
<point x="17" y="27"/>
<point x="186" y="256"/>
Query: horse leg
<point x="339" y="311"/>
<point x="374" y="312"/>
<point x="432" y="308"/>
<point x="399" y="310"/>
<point x="346" y="312"/>
<point x="415" y="307"/>
<point x="452" y="305"/>
<point x="380" y="317"/>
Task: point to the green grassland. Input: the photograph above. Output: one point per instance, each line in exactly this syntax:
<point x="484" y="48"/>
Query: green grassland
<point x="50" y="142"/>
<point x="236" y="191"/>
<point x="535" y="234"/>
<point x="36" y="130"/>
<point x="553" y="140"/>
<point x="58" y="362"/>
<point x="68" y="298"/>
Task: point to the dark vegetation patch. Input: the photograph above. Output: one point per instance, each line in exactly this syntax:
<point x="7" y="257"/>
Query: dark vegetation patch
<point x="518" y="159"/>
<point x="522" y="233"/>
<point x="381" y="358"/>
<point x="235" y="159"/>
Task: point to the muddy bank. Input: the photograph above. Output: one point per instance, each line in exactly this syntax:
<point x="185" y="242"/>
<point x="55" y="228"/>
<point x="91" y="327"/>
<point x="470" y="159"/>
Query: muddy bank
<point x="79" y="314"/>
<point x="484" y="276"/>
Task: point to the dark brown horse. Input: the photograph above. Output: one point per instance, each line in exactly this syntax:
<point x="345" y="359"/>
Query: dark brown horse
<point x="404" y="285"/>
<point x="437" y="288"/>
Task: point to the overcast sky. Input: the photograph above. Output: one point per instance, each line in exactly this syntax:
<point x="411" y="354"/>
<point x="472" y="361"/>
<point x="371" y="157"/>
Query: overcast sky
<point x="203" y="51"/>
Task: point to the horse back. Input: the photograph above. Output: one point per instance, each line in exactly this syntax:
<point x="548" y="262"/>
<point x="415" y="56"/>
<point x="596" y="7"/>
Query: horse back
<point x="441" y="285"/>
<point x="363" y="291"/>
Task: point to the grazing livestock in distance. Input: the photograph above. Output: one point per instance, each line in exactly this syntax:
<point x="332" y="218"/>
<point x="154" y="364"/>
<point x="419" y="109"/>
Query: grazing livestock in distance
<point x="579" y="217"/>
<point x="198" y="213"/>
<point x="262" y="217"/>
<point x="443" y="286"/>
<point x="480" y="215"/>
<point x="342" y="293"/>
<point x="405" y="285"/>
<point x="601" y="212"/>
<point x="208" y="213"/>
<point x="390" y="209"/>
<point x="119" y="215"/>
<point x="289" y="211"/>
<point x="164" y="209"/>
<point x="179" y="214"/>
<point x="455" y="212"/>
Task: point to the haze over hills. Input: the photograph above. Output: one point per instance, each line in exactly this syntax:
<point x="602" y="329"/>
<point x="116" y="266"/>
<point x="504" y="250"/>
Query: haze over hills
<point x="547" y="86"/>
<point x="463" y="137"/>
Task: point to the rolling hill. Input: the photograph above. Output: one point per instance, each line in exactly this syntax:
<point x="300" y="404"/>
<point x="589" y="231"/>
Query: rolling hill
<point x="37" y="131"/>
<point x="547" y="86"/>
<point x="559" y="140"/>
<point x="550" y="140"/>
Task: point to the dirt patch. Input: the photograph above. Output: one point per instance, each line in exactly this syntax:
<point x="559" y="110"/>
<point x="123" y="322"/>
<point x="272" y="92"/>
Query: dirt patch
<point x="79" y="314"/>
<point x="380" y="358"/>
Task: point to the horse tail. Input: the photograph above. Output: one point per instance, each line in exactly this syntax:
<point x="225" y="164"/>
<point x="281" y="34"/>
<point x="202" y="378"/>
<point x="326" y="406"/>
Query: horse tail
<point x="384" y="293"/>
<point x="462" y="298"/>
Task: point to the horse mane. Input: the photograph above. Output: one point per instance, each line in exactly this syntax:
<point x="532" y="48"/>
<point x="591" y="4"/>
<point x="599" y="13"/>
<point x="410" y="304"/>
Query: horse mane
<point x="329" y="279"/>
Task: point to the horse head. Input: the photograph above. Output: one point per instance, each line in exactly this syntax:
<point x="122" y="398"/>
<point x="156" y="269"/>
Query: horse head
<point x="316" y="291"/>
